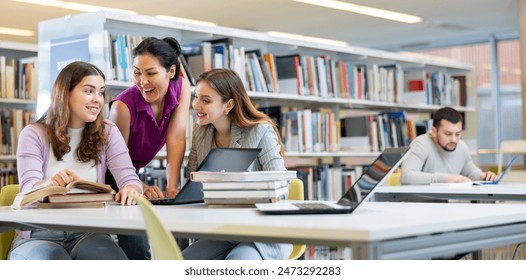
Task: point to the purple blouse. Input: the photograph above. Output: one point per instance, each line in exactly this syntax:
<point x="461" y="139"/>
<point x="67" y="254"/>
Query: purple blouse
<point x="147" y="137"/>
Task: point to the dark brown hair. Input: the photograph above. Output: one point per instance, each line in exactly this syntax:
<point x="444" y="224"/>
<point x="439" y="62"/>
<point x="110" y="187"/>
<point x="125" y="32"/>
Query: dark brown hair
<point x="58" y="115"/>
<point x="446" y="113"/>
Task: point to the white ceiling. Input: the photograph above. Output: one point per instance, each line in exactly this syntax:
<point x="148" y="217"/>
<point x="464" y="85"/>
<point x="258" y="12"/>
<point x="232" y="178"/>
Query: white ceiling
<point x="446" y="22"/>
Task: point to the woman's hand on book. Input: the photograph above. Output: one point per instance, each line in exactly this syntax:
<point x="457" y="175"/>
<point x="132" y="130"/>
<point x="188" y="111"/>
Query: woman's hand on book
<point x="64" y="177"/>
<point x="125" y="195"/>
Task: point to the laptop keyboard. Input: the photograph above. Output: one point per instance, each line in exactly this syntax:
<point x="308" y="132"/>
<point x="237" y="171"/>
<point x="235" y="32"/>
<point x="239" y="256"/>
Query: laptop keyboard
<point x="311" y="205"/>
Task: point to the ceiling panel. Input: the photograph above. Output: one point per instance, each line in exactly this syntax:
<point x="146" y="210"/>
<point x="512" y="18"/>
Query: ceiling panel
<point x="445" y="21"/>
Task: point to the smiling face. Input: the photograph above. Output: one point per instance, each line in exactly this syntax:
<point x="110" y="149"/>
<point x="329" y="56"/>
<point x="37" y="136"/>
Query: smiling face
<point x="86" y="101"/>
<point x="151" y="77"/>
<point x="209" y="106"/>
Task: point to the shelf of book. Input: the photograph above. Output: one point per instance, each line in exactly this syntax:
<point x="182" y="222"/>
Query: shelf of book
<point x="326" y="78"/>
<point x="346" y="103"/>
<point x="7" y="158"/>
<point x="320" y="77"/>
<point x="18" y="100"/>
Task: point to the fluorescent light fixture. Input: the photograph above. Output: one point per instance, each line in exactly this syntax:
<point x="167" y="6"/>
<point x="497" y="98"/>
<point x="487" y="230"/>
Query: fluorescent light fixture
<point x="186" y="20"/>
<point x="364" y="10"/>
<point x="17" y="32"/>
<point x="307" y="38"/>
<point x="73" y="6"/>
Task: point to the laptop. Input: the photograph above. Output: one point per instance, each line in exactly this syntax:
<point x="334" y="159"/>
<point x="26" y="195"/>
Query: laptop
<point x="375" y="175"/>
<point x="217" y="160"/>
<point x="496" y="182"/>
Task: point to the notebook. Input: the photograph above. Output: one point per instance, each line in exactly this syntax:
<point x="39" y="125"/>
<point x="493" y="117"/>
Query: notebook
<point x="375" y="175"/>
<point x="217" y="160"/>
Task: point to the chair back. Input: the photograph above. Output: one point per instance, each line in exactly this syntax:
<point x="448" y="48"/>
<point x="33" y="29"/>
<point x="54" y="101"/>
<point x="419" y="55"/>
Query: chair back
<point x="162" y="242"/>
<point x="394" y="179"/>
<point x="7" y="195"/>
<point x="296" y="192"/>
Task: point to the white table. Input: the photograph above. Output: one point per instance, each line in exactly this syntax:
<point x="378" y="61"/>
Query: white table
<point x="379" y="230"/>
<point x="423" y="193"/>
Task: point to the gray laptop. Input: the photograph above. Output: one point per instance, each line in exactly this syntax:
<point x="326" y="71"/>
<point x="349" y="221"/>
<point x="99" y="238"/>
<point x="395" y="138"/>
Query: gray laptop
<point x="218" y="159"/>
<point x="375" y="175"/>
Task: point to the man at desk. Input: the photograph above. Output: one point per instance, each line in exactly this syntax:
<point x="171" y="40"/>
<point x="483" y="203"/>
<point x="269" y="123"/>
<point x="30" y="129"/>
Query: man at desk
<point x="441" y="156"/>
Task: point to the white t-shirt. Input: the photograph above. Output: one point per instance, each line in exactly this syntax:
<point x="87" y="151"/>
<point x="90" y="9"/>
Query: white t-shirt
<point x="85" y="170"/>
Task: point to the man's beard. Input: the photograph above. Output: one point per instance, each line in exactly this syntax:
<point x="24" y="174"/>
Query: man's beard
<point x="445" y="148"/>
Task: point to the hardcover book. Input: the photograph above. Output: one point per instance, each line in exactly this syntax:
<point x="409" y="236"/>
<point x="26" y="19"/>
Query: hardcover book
<point x="88" y="204"/>
<point x="26" y="198"/>
<point x="206" y="176"/>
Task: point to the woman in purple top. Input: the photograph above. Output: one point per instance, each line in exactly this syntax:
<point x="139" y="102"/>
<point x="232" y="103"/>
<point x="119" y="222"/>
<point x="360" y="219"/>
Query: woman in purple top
<point x="73" y="141"/>
<point x="152" y="113"/>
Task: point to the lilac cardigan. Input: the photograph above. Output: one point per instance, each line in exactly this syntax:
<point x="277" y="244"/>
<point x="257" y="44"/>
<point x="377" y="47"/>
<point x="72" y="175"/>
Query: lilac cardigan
<point x="34" y="150"/>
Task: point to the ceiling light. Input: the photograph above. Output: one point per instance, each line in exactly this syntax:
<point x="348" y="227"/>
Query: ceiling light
<point x="186" y="20"/>
<point x="364" y="10"/>
<point x="307" y="38"/>
<point x="17" y="32"/>
<point x="73" y="6"/>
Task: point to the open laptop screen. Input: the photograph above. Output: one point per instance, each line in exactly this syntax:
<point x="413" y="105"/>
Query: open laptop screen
<point x="373" y="176"/>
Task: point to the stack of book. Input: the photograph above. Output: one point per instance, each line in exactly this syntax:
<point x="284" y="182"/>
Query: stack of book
<point x="243" y="189"/>
<point x="79" y="194"/>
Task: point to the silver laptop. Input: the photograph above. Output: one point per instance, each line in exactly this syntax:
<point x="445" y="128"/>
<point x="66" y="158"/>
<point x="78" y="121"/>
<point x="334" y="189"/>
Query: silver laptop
<point x="218" y="159"/>
<point x="375" y="175"/>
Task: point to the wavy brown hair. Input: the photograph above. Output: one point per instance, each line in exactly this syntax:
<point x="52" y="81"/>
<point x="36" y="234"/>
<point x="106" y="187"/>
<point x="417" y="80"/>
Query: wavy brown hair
<point x="244" y="114"/>
<point x="58" y="115"/>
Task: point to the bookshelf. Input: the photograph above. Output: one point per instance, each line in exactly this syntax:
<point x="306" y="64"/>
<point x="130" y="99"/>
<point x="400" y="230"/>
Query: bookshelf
<point x="18" y="100"/>
<point x="101" y="30"/>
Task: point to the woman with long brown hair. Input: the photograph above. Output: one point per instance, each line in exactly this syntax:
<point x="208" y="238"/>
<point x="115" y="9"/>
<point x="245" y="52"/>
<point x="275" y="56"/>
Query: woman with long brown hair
<point x="71" y="142"/>
<point x="227" y="118"/>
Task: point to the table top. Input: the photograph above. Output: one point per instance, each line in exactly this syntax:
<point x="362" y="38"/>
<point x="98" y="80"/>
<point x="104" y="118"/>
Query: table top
<point x="505" y="188"/>
<point x="373" y="221"/>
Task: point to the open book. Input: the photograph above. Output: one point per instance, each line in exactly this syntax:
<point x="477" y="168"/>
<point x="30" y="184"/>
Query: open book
<point x="26" y="198"/>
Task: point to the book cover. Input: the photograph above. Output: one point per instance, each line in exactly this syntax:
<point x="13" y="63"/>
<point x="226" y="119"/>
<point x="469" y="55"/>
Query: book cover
<point x="287" y="69"/>
<point x="238" y="186"/>
<point x="237" y="202"/>
<point x="79" y="197"/>
<point x="38" y="193"/>
<point x="244" y="193"/>
<point x="65" y="50"/>
<point x="207" y="176"/>
<point x="89" y="204"/>
<point x="355" y="133"/>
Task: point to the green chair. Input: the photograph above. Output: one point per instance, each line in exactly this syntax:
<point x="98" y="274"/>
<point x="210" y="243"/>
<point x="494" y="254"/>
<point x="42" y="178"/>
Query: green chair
<point x="162" y="242"/>
<point x="7" y="195"/>
<point x="296" y="193"/>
